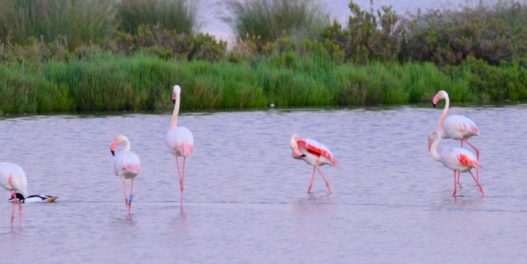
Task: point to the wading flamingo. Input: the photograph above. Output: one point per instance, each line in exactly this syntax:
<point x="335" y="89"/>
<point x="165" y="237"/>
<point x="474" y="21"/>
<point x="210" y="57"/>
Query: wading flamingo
<point x="456" y="127"/>
<point x="126" y="165"/>
<point x="314" y="154"/>
<point x="179" y="139"/>
<point x="457" y="159"/>
<point x="13" y="179"/>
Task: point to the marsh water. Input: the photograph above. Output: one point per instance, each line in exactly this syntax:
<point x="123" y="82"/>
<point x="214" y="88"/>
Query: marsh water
<point x="246" y="199"/>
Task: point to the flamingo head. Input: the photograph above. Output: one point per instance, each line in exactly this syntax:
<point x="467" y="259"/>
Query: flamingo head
<point x="440" y="95"/>
<point x="176" y="91"/>
<point x="433" y="137"/>
<point x="19" y="196"/>
<point x="294" y="147"/>
<point x="116" y="141"/>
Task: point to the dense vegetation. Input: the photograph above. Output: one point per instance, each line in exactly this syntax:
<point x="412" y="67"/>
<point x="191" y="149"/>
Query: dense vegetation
<point x="93" y="55"/>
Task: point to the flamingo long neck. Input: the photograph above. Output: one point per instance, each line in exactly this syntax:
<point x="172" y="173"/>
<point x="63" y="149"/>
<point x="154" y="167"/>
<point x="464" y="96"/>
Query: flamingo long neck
<point x="175" y="113"/>
<point x="443" y="114"/>
<point x="433" y="150"/>
<point x="127" y="144"/>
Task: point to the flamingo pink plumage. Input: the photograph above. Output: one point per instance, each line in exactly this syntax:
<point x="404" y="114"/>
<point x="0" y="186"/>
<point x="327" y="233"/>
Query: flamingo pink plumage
<point x="456" y="127"/>
<point x="13" y="179"/>
<point x="457" y="159"/>
<point x="179" y="139"/>
<point x="126" y="165"/>
<point x="315" y="154"/>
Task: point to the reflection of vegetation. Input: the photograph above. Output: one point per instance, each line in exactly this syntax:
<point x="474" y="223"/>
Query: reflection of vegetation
<point x="62" y="59"/>
<point x="105" y="82"/>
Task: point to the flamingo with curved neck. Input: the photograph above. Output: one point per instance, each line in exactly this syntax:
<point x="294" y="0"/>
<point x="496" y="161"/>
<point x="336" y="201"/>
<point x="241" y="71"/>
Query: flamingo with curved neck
<point x="456" y="127"/>
<point x="126" y="165"/>
<point x="179" y="139"/>
<point x="315" y="154"/>
<point x="457" y="159"/>
<point x="13" y="179"/>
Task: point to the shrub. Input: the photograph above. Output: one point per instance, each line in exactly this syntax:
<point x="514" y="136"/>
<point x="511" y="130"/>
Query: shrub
<point x="178" y="15"/>
<point x="77" y="21"/>
<point x="270" y="19"/>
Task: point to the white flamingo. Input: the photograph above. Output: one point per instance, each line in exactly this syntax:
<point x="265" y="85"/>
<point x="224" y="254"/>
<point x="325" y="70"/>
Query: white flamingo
<point x="126" y="165"/>
<point x="457" y="159"/>
<point x="456" y="127"/>
<point x="315" y="154"/>
<point x="13" y="179"/>
<point x="179" y="139"/>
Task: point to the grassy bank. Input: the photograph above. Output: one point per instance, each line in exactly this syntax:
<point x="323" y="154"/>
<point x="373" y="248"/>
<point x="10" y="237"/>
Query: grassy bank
<point x="109" y="82"/>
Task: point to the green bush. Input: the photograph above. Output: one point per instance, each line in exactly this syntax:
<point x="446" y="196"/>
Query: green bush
<point x="270" y="19"/>
<point x="76" y="21"/>
<point x="178" y="15"/>
<point x="493" y="34"/>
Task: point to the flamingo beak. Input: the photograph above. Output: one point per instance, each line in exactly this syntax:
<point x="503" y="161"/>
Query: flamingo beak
<point x="174" y="98"/>
<point x="112" y="148"/>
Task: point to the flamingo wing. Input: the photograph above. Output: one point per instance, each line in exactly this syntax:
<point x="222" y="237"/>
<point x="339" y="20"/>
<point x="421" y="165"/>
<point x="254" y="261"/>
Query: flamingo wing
<point x="318" y="149"/>
<point x="126" y="162"/>
<point x="468" y="159"/>
<point x="458" y="126"/>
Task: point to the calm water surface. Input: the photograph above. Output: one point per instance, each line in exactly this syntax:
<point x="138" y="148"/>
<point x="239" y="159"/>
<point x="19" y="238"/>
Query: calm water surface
<point x="246" y="199"/>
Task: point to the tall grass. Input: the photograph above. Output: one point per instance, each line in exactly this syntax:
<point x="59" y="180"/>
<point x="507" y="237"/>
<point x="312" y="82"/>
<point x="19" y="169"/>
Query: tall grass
<point x="270" y="19"/>
<point x="179" y="15"/>
<point x="108" y="82"/>
<point x="77" y="21"/>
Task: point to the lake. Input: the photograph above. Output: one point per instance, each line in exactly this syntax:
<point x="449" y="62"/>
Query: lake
<point x="245" y="196"/>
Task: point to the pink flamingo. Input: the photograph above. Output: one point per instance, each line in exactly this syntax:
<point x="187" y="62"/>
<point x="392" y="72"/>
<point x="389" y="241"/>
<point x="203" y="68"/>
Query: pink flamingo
<point x="315" y="154"/>
<point x="13" y="179"/>
<point x="456" y="127"/>
<point x="126" y="165"/>
<point x="457" y="159"/>
<point x="179" y="139"/>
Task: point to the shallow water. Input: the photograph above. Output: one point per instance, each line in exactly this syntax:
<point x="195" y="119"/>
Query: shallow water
<point x="246" y="199"/>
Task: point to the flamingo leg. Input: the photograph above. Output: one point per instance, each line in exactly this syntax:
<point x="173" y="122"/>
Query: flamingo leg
<point x="179" y="174"/>
<point x="131" y="197"/>
<point x="477" y="155"/>
<point x="476" y="180"/>
<point x="455" y="183"/>
<point x="13" y="209"/>
<point x="182" y="181"/>
<point x="125" y="196"/>
<point x="310" y="186"/>
<point x="330" y="189"/>
<point x="19" y="211"/>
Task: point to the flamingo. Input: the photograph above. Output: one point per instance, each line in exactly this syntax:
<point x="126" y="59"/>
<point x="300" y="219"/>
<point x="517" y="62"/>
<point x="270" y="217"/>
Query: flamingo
<point x="457" y="159"/>
<point x="179" y="139"/>
<point x="315" y="154"/>
<point x="126" y="165"/>
<point x="13" y="179"/>
<point x="456" y="127"/>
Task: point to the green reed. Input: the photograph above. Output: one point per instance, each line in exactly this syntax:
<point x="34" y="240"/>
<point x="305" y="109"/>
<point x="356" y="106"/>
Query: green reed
<point x="109" y="82"/>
